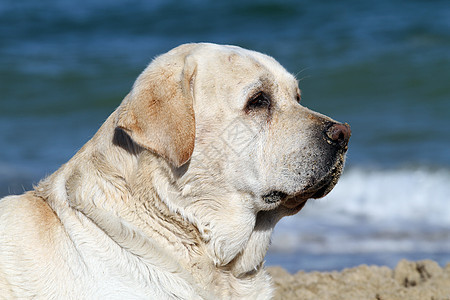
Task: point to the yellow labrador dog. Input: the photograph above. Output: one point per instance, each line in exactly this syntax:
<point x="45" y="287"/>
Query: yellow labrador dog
<point x="177" y="194"/>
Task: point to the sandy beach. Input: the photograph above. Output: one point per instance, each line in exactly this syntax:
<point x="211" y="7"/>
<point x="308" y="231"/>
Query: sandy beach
<point x="421" y="280"/>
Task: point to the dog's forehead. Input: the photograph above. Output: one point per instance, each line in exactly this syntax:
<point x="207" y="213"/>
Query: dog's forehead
<point x="234" y="58"/>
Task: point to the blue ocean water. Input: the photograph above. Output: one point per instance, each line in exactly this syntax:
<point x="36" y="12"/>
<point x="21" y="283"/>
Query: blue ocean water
<point x="382" y="66"/>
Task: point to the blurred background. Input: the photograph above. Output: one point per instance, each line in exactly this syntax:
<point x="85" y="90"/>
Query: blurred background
<point x="382" y="66"/>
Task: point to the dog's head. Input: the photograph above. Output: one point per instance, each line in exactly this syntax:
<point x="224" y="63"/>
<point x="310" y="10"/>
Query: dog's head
<point x="231" y="124"/>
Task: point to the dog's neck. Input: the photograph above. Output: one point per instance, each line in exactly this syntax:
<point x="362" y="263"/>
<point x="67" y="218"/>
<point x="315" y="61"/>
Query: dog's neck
<point x="146" y="204"/>
<point x="236" y="244"/>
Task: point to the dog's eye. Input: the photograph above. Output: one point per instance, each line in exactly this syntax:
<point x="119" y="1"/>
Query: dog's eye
<point x="259" y="100"/>
<point x="298" y="98"/>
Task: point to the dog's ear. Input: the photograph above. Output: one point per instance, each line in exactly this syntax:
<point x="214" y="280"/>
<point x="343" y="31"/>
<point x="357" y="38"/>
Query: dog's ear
<point x="158" y="112"/>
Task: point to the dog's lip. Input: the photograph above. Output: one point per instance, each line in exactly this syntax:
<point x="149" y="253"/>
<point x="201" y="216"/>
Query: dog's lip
<point x="299" y="200"/>
<point x="318" y="190"/>
<point x="295" y="202"/>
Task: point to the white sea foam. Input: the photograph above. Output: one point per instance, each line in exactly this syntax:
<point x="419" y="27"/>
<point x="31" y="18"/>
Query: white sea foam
<point x="374" y="210"/>
<point x="419" y="195"/>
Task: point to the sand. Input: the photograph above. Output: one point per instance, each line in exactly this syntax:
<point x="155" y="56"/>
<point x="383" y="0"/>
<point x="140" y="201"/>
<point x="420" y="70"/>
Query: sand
<point x="421" y="280"/>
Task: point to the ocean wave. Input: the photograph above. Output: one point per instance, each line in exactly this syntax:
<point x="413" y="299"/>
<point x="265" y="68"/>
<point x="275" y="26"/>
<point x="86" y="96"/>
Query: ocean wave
<point x="374" y="210"/>
<point x="418" y="195"/>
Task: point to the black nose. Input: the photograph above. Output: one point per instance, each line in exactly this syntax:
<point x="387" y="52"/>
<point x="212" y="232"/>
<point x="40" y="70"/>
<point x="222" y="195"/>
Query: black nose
<point x="337" y="134"/>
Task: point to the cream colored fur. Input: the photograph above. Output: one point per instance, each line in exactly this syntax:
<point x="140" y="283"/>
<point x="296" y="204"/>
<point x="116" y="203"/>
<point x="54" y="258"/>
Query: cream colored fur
<point x="166" y="201"/>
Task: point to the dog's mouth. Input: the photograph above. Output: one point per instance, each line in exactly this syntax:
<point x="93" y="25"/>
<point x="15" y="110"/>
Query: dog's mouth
<point x="314" y="191"/>
<point x="327" y="183"/>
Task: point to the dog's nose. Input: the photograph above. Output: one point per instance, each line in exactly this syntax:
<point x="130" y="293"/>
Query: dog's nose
<point x="337" y="134"/>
